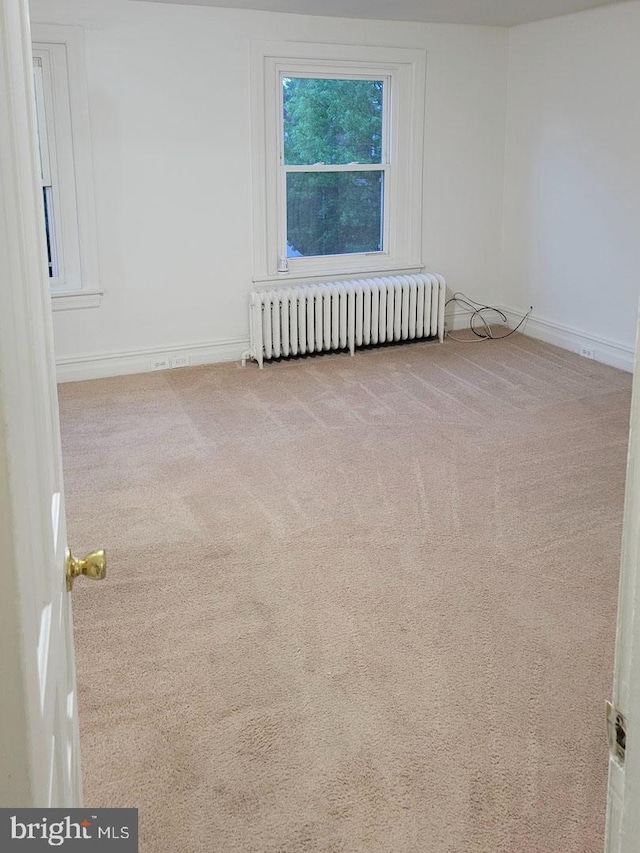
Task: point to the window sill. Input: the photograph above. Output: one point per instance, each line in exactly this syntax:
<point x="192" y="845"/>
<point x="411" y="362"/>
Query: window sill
<point x="70" y="300"/>
<point x="313" y="276"/>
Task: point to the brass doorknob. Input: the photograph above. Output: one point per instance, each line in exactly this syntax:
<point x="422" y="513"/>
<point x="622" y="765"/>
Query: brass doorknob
<point x="93" y="566"/>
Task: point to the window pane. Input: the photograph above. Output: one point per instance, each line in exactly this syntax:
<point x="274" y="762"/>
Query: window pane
<point x="335" y="122"/>
<point x="334" y="213"/>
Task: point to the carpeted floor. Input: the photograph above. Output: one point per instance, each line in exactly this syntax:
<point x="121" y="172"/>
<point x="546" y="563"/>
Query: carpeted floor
<point x="354" y="604"/>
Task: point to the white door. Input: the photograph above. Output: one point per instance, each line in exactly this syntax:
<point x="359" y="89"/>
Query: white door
<point x="39" y="745"/>
<point x="623" y="803"/>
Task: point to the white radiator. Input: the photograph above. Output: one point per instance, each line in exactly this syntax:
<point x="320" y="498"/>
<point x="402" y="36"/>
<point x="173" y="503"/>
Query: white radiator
<point x="341" y="315"/>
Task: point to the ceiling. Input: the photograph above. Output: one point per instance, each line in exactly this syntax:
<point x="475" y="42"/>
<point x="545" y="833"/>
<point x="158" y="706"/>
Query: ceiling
<point x="502" y="13"/>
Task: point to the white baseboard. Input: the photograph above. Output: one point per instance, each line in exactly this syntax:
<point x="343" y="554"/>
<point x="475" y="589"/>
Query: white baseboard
<point x="604" y="350"/>
<point x="141" y="361"/>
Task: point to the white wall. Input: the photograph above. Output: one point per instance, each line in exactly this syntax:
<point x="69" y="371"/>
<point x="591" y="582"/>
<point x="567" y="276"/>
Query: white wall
<point x="169" y="107"/>
<point x="571" y="242"/>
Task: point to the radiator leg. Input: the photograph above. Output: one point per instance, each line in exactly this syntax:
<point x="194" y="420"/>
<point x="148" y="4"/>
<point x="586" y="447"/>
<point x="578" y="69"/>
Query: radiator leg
<point x="250" y="355"/>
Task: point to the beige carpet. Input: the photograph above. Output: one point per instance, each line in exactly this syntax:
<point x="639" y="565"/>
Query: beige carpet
<point x="354" y="604"/>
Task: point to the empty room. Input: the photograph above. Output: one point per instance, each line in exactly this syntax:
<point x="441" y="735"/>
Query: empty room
<point x="339" y="298"/>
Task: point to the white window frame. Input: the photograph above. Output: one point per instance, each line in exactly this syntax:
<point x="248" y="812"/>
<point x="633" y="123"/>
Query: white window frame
<point x="403" y="71"/>
<point x="62" y="111"/>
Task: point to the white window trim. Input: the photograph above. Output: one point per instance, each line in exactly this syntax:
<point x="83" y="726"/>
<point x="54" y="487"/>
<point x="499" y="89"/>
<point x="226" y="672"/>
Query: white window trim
<point x="62" y="47"/>
<point x="405" y="69"/>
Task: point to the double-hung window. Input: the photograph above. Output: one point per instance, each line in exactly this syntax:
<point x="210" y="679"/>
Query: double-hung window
<point x="338" y="157"/>
<point x="62" y="120"/>
<point x="334" y="163"/>
<point x="64" y="266"/>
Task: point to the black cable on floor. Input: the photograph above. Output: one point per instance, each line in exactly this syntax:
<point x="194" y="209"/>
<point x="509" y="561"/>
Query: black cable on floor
<point x="477" y="311"/>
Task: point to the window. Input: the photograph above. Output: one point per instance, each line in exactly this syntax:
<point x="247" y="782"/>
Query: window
<point x="334" y="141"/>
<point x="65" y="165"/>
<point x="63" y="266"/>
<point x="338" y="141"/>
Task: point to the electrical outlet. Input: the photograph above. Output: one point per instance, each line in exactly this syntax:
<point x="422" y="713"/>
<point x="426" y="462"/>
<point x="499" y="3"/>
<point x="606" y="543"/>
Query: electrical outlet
<point x="160" y="362"/>
<point x="180" y="361"/>
<point x="587" y="352"/>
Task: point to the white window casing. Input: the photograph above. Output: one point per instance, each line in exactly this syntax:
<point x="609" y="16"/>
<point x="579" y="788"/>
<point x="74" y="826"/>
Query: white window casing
<point x="403" y="73"/>
<point x="62" y="113"/>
